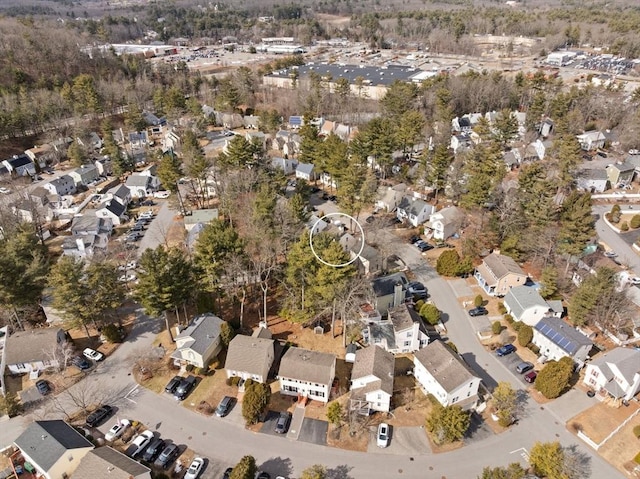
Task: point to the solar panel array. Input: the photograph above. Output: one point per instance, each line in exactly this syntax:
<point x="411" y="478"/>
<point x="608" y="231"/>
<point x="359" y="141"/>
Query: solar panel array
<point x="557" y="337"/>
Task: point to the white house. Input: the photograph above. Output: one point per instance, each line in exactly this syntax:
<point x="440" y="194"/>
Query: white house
<point x="305" y="171"/>
<point x="591" y="140"/>
<point x="372" y="380"/>
<point x="413" y="210"/>
<point x="441" y="372"/>
<point x="616" y="373"/>
<point x="82" y="247"/>
<point x="113" y="210"/>
<point x="446" y="222"/>
<point x="91" y="225"/>
<point x="525" y="304"/>
<point x="287" y="166"/>
<point x="403" y="332"/>
<point x="140" y="185"/>
<point x="593" y="180"/>
<point x="391" y="198"/>
<point x="33" y="350"/>
<point x="54" y="448"/>
<point x="557" y="339"/>
<point x="20" y="165"/>
<point x="306" y="373"/>
<point x="199" y="342"/>
<point x="121" y="194"/>
<point x="249" y="357"/>
<point x="85" y="175"/>
<point x="63" y="185"/>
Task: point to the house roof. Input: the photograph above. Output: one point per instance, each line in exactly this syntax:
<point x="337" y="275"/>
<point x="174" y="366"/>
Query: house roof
<point x="85" y="223"/>
<point x="137" y="180"/>
<point x="19" y="160"/>
<point x="562" y="334"/>
<point x="39" y="192"/>
<point x="411" y="205"/>
<point x="32" y="345"/>
<point x="385" y="285"/>
<point x="521" y="298"/>
<point x="627" y="360"/>
<point x="450" y="214"/>
<point x="263" y="333"/>
<point x="45" y="442"/>
<point x="375" y="361"/>
<point x="307" y="365"/>
<point x="202" y="330"/>
<point x="445" y="365"/>
<point x="84" y="169"/>
<point x="382" y="331"/>
<point x="71" y="242"/>
<point x="305" y="168"/>
<point x="500" y="266"/>
<point x="594" y="174"/>
<point x="403" y="317"/>
<point x="116" y="208"/>
<point x="61" y="181"/>
<point x="373" y="75"/>
<point x="107" y="463"/>
<point x="248" y="354"/>
<point x="120" y="191"/>
<point x="622" y="167"/>
<point x="201" y="216"/>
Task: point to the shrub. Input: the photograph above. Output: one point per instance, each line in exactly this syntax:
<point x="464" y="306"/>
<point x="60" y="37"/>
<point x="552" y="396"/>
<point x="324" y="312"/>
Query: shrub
<point x="200" y="371"/>
<point x="637" y="458"/>
<point x="525" y="334"/>
<point x="624" y="226"/>
<point x="112" y="333"/>
<point x="496" y="327"/>
<point x="533" y="348"/>
<point x="464" y="267"/>
<point x="248" y="383"/>
<point x="430" y="313"/>
<point x="501" y="308"/>
<point x="478" y="301"/>
<point x="235" y="380"/>
<point x="635" y="222"/>
<point x="508" y="318"/>
<point x="256" y="398"/>
<point x="229" y="381"/>
<point x="636" y="431"/>
<point x="448" y="263"/>
<point x="554" y="377"/>
<point x="452" y="346"/>
<point x="516" y="325"/>
<point x="189" y="368"/>
<point x="161" y="475"/>
<point x="419" y="304"/>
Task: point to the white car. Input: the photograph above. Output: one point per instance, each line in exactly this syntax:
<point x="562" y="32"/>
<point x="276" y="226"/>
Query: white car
<point x="139" y="444"/>
<point x="126" y="267"/>
<point x="93" y="354"/>
<point x="195" y="468"/>
<point x="162" y="194"/>
<point x="610" y="254"/>
<point x="127" y="278"/>
<point x="116" y="430"/>
<point x="5" y="190"/>
<point x="382" y="438"/>
<point x="635" y="280"/>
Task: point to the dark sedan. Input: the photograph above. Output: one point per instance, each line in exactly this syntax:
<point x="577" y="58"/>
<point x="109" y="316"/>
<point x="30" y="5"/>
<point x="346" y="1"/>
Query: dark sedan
<point x="479" y="311"/>
<point x="98" y="416"/>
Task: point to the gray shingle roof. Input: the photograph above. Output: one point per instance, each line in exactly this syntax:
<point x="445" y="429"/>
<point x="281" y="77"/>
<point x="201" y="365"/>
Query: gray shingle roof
<point x="627" y="360"/>
<point x="305" y="168"/>
<point x="107" y="463"/>
<point x="382" y="331"/>
<point x="203" y="330"/>
<point x="562" y="334"/>
<point x="307" y="365"/>
<point x="501" y="265"/>
<point x="45" y="442"/>
<point x="121" y="191"/>
<point x="521" y="298"/>
<point x="248" y="354"/>
<point x="138" y="180"/>
<point x="446" y="366"/>
<point x="375" y="361"/>
<point x="412" y="206"/>
<point x="385" y="285"/>
<point x="403" y="317"/>
<point x="33" y="345"/>
<point x="116" y="208"/>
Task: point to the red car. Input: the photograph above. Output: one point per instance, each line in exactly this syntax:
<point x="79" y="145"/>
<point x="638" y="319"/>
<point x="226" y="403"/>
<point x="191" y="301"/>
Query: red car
<point x="531" y="376"/>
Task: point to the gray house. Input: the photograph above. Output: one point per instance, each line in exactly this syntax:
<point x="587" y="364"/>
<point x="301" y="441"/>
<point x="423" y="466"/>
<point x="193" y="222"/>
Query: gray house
<point x="85" y="175"/>
<point x="20" y="165"/>
<point x="372" y="380"/>
<point x="63" y="185"/>
<point x="306" y="373"/>
<point x="199" y="342"/>
<point x="558" y="339"/>
<point x="389" y="291"/>
<point x="249" y="357"/>
<point x="33" y="350"/>
<point x="525" y="304"/>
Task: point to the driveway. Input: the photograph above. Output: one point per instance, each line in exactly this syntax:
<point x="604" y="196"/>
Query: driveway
<point x="616" y="241"/>
<point x="158" y="229"/>
<point x="402" y="441"/>
<point x="570" y="404"/>
<point x="460" y="288"/>
<point x="314" y="431"/>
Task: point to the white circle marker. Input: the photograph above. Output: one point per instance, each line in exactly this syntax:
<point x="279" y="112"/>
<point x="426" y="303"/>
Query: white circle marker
<point x="313" y="230"/>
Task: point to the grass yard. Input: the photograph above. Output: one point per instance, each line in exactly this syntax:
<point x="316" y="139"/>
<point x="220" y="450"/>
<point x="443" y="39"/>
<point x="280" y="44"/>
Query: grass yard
<point x="620" y="450"/>
<point x="598" y="421"/>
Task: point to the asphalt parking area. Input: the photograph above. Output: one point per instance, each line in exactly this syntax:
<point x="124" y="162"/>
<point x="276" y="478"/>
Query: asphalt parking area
<point x="478" y="430"/>
<point x="270" y="424"/>
<point x="402" y="440"/>
<point x="314" y="431"/>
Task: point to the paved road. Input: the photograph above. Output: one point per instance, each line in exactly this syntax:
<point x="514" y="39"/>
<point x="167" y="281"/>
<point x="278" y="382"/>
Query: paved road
<point x="626" y="254"/>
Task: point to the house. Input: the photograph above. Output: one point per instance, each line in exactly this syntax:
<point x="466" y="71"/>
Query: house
<point x="54" y="448"/>
<point x="557" y="339"/>
<point x="622" y="172"/>
<point x="413" y="210"/>
<point x="251" y="121"/>
<point x="525" y="304"/>
<point x="107" y="463"/>
<point x="372" y="380"/>
<point x="498" y="273"/>
<point x="403" y="332"/>
<point x="389" y="291"/>
<point x="305" y="171"/>
<point x="603" y="79"/>
<point x="593" y="181"/>
<point x="33" y="350"/>
<point x="28" y="211"/>
<point x="256" y="138"/>
<point x="364" y="256"/>
<point x="350" y="353"/>
<point x="286" y="141"/>
<point x="140" y="185"/>
<point x="138" y="140"/>
<point x="462" y="124"/>
<point x="391" y="198"/>
<point x="43" y="155"/>
<point x="91" y="225"/>
<point x="63" y="185"/>
<point x="441" y="372"/>
<point x="591" y="140"/>
<point x="446" y="222"/>
<point x="285" y="165"/>
<point x="39" y="196"/>
<point x="249" y="357"/>
<point x="616" y="373"/>
<point x="170" y="139"/>
<point x="20" y="165"/>
<point x="546" y="127"/>
<point x="306" y="373"/>
<point x="460" y="141"/>
<point x="199" y="342"/>
<point x="82" y="247"/>
<point x="85" y="175"/>
<point x="203" y="217"/>
<point x="95" y="142"/>
<point x="115" y="211"/>
<point x="316" y="225"/>
<point x="512" y="158"/>
<point x="121" y="194"/>
<point x="153" y="120"/>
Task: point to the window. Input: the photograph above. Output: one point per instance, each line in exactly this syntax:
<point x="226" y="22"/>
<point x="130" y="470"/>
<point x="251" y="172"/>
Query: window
<point x="455" y="399"/>
<point x="407" y="343"/>
<point x="379" y="396"/>
<point x="594" y="373"/>
<point x="409" y="334"/>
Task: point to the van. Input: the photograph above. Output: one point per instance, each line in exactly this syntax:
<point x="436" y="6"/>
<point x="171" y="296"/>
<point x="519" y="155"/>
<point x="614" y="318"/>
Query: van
<point x="225" y="405"/>
<point x="185" y="387"/>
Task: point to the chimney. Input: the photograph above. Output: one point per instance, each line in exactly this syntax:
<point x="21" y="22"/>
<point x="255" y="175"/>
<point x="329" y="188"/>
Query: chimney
<point x="80" y="244"/>
<point x="398" y="294"/>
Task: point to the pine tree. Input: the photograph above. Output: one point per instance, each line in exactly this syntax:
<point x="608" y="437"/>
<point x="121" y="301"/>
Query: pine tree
<point x="577" y="224"/>
<point x="549" y="282"/>
<point x="505" y="127"/>
<point x="245" y="469"/>
<point x="169" y="171"/>
<point x="409" y="129"/>
<point x="217" y="242"/>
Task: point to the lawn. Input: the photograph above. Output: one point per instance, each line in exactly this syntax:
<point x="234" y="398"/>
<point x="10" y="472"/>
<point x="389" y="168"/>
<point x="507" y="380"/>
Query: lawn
<point x="622" y="448"/>
<point x="598" y="421"/>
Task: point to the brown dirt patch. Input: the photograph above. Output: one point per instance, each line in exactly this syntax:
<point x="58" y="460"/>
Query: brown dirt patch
<point x="339" y="437"/>
<point x="600" y="420"/>
<point x="302" y="337"/>
<point x="620" y="450"/>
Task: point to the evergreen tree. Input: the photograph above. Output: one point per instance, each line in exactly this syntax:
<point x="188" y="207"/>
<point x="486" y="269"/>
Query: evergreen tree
<point x="438" y="166"/>
<point x="255" y="400"/>
<point x="409" y="129"/>
<point x="399" y="99"/>
<point x="504" y="402"/>
<point x="512" y="471"/>
<point x="70" y="293"/>
<point x="549" y="282"/>
<point x="311" y="144"/>
<point x="547" y="460"/>
<point x="245" y="469"/>
<point x="577" y="224"/>
<point x="448" y="424"/>
<point x="485" y="170"/>
<point x="133" y="118"/>
<point x="554" y="377"/>
<point x="169" y="171"/>
<point x="314" y="472"/>
<point x="569" y="155"/>
<point x="505" y="127"/>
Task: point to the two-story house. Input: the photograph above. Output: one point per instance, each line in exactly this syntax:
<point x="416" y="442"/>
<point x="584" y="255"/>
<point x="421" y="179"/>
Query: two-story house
<point x="413" y="210"/>
<point x="91" y="225"/>
<point x="20" y="165"/>
<point x="557" y="339"/>
<point x="372" y="380"/>
<point x="391" y="198"/>
<point x="525" y="304"/>
<point x="121" y="194"/>
<point x="85" y="175"/>
<point x="63" y="185"/>
<point x="389" y="291"/>
<point x="199" y="342"/>
<point x="306" y="373"/>
<point x="53" y="448"/>
<point x="499" y="273"/>
<point x="441" y="372"/>
<point x="250" y="357"/>
<point x="446" y="222"/>
<point x="615" y="373"/>
<point x="403" y="332"/>
<point x="33" y="350"/>
<point x="139" y="185"/>
<point x="591" y="140"/>
<point x="114" y="211"/>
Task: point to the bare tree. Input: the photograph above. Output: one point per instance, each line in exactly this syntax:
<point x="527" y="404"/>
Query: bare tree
<point x="62" y="353"/>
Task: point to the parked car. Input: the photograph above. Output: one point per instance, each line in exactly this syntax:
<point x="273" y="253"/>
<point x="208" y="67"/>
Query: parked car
<point x="98" y="416"/>
<point x="173" y="384"/>
<point x="93" y="354"/>
<point x="117" y="429"/>
<point x="167" y="456"/>
<point x="523" y="367"/>
<point x="5" y="191"/>
<point x="263" y="475"/>
<point x="505" y="350"/>
<point x="127" y="278"/>
<point x="153" y="450"/>
<point x="610" y="254"/>
<point x="185" y="387"/>
<point x="139" y="443"/>
<point x="531" y="376"/>
<point x="423" y="246"/>
<point x="224" y="407"/>
<point x="282" y="424"/>
<point x="195" y="468"/>
<point x="479" y="311"/>
<point x="162" y="194"/>
<point x="382" y="438"/>
<point x="414" y="239"/>
<point x="417" y="289"/>
<point x="81" y="363"/>
<point x="137" y="227"/>
<point x="42" y="385"/>
<point x="227" y="473"/>
<point x="148" y="203"/>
